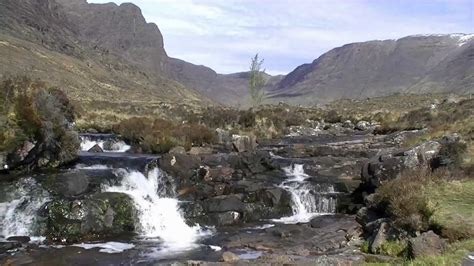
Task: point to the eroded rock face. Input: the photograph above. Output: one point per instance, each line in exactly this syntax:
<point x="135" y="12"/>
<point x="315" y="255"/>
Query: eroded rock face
<point x="390" y="165"/>
<point x="102" y="215"/>
<point x="244" y="143"/>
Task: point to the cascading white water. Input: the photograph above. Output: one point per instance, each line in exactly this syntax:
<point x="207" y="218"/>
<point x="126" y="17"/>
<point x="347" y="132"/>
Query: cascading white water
<point x="18" y="213"/>
<point x="308" y="200"/>
<point x="119" y="146"/>
<point x="158" y="213"/>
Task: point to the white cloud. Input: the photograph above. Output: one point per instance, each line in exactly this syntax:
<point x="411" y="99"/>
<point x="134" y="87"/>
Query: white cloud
<point x="224" y="34"/>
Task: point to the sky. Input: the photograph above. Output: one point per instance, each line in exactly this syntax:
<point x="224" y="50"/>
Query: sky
<point x="225" y="34"/>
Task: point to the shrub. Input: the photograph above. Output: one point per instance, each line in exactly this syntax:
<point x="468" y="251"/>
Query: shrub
<point x="38" y="114"/>
<point x="405" y="202"/>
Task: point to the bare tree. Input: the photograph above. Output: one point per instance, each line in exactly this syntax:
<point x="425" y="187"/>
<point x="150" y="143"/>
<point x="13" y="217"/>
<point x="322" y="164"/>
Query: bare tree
<point x="256" y="81"/>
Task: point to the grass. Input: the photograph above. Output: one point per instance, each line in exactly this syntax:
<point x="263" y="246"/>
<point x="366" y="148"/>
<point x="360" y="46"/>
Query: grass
<point x="453" y="255"/>
<point x="453" y="204"/>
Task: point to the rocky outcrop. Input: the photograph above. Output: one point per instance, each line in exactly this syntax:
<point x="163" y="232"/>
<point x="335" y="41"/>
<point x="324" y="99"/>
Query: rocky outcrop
<point x="390" y="165"/>
<point x="102" y="215"/>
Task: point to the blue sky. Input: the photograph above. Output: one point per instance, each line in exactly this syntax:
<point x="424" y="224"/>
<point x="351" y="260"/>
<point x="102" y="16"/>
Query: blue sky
<point x="224" y="34"/>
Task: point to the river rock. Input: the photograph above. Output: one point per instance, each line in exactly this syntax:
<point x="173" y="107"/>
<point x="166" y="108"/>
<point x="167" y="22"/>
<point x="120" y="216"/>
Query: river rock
<point x="6" y="246"/>
<point x="223" y="203"/>
<point x="181" y="166"/>
<point x="105" y="214"/>
<point x="427" y="244"/>
<point x="96" y="148"/>
<point x="19" y="239"/>
<point x="230" y="257"/>
<point x="243" y="143"/>
<point x="70" y="184"/>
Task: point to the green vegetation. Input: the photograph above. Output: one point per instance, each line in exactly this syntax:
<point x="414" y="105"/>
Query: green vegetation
<point x="33" y="113"/>
<point x="159" y="136"/>
<point x="256" y="81"/>
<point x="453" y="255"/>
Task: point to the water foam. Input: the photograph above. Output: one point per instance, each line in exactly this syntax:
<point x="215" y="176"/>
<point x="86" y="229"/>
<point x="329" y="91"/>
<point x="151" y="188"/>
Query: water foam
<point x="308" y="200"/>
<point x="18" y="214"/>
<point x="158" y="212"/>
<point x="108" y="247"/>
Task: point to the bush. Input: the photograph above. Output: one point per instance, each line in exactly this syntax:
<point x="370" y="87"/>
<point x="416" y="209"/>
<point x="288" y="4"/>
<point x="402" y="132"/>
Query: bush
<point x="43" y="116"/>
<point x="159" y="136"/>
<point x="404" y="201"/>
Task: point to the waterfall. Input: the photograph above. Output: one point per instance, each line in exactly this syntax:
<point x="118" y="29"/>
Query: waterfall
<point x="158" y="211"/>
<point x="88" y="142"/>
<point x="308" y="200"/>
<point x="19" y="210"/>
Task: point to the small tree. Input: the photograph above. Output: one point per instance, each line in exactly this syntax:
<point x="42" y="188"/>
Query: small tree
<point x="256" y="81"/>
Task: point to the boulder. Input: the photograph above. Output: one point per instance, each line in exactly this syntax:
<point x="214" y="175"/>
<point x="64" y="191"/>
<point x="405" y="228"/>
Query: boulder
<point x="389" y="165"/>
<point x="96" y="148"/>
<point x="19" y="239"/>
<point x="427" y="244"/>
<point x="70" y="184"/>
<point x="230" y="257"/>
<point x="379" y="238"/>
<point x="223" y="203"/>
<point x="182" y="166"/>
<point x="105" y="214"/>
<point x="244" y="143"/>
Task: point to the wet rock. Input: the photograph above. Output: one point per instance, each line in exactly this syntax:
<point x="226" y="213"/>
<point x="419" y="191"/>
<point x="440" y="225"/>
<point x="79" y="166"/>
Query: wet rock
<point x="181" y="166"/>
<point x="96" y="148"/>
<point x="102" y="215"/>
<point x="177" y="150"/>
<point x="19" y="239"/>
<point x="223" y="203"/>
<point x="225" y="218"/>
<point x="244" y="143"/>
<point x="68" y="184"/>
<point x="6" y="246"/>
<point x="427" y="244"/>
<point x="230" y="257"/>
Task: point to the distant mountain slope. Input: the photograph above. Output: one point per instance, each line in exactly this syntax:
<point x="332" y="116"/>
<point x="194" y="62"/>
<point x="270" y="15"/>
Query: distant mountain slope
<point x="94" y="52"/>
<point x="108" y="52"/>
<point x="416" y="64"/>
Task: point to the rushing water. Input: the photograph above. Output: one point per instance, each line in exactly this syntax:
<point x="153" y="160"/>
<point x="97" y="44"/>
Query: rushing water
<point x="308" y="200"/>
<point x="158" y="210"/>
<point x="116" y="146"/>
<point x="18" y="212"/>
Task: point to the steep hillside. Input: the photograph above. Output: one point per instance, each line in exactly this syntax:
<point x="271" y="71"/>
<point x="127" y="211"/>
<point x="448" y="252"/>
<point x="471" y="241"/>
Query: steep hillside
<point x="94" y="52"/>
<point x="415" y="64"/>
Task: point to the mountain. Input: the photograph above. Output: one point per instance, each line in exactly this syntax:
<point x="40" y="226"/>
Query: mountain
<point x="96" y="52"/>
<point x="414" y="64"/>
<point x="110" y="53"/>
